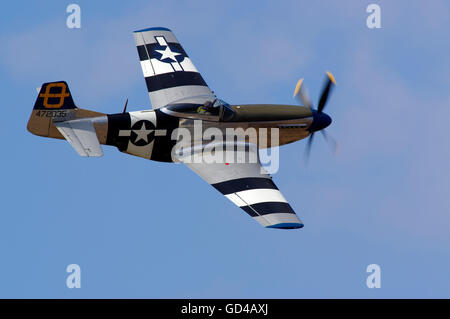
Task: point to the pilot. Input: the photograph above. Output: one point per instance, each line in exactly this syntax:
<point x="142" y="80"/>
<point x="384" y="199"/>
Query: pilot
<point x="206" y="107"/>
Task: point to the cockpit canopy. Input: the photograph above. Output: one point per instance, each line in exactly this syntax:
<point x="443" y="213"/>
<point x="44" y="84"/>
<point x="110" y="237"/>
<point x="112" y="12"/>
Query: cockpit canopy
<point x="216" y="110"/>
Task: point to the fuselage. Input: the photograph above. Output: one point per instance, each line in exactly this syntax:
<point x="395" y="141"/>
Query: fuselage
<point x="152" y="134"/>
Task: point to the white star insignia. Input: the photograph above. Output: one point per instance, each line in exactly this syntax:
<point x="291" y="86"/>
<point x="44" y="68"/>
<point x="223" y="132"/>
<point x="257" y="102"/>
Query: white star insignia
<point x="142" y="133"/>
<point x="167" y="53"/>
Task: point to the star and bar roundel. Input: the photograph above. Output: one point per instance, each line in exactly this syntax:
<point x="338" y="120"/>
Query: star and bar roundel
<point x="168" y="52"/>
<point x="142" y="133"/>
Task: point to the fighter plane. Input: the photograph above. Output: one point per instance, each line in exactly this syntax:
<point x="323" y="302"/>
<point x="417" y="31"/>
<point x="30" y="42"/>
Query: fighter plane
<point x="180" y="98"/>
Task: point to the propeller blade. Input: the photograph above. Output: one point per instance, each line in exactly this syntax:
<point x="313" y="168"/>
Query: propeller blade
<point x="301" y="94"/>
<point x="331" y="142"/>
<point x="326" y="91"/>
<point x="308" y="147"/>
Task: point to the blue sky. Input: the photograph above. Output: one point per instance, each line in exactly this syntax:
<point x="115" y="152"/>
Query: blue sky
<point x="153" y="230"/>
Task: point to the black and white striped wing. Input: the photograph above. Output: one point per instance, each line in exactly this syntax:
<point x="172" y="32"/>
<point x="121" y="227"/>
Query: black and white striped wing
<point x="250" y="187"/>
<point x="169" y="73"/>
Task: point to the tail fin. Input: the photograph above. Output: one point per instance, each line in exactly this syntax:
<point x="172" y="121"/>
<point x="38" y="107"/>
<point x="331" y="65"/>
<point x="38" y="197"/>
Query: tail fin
<point x="55" y="115"/>
<point x="54" y="96"/>
<point x="54" y="101"/>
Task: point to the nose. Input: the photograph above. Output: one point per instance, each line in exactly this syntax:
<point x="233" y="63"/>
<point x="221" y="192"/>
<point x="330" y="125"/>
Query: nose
<point x="320" y="121"/>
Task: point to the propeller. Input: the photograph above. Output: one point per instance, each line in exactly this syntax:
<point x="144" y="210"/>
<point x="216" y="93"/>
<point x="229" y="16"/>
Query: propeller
<point x="320" y="119"/>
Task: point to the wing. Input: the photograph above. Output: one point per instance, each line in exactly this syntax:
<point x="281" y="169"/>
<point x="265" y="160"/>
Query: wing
<point x="169" y="73"/>
<point x="82" y="136"/>
<point x="250" y="187"/>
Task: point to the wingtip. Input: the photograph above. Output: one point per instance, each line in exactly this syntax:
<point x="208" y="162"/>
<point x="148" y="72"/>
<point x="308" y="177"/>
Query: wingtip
<point x="286" y="226"/>
<point x="152" y="29"/>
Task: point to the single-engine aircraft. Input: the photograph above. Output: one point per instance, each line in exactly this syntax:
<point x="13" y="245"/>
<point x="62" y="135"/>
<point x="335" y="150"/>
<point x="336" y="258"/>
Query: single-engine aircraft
<point x="179" y="97"/>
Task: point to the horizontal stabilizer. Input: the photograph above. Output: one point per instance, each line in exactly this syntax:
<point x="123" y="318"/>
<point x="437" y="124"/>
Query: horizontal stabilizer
<point x="82" y="136"/>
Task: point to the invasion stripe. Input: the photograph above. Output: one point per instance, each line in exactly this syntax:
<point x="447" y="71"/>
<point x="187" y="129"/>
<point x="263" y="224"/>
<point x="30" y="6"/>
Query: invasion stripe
<point x="142" y="53"/>
<point x="254" y="196"/>
<point x="173" y="79"/>
<point x="268" y="208"/>
<point x="242" y="184"/>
